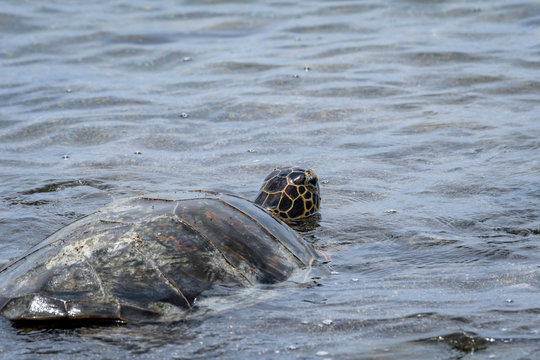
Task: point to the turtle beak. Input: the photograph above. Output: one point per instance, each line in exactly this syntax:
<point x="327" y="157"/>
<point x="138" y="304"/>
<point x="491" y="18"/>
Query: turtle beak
<point x="311" y="179"/>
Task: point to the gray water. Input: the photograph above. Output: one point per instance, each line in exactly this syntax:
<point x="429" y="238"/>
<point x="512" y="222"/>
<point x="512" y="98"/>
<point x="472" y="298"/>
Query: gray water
<point x="420" y="117"/>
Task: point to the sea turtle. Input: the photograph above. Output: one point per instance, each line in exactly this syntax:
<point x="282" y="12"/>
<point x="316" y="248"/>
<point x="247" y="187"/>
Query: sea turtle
<point x="147" y="258"/>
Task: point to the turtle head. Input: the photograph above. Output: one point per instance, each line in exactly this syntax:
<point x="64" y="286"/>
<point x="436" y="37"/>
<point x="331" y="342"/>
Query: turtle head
<point x="290" y="193"/>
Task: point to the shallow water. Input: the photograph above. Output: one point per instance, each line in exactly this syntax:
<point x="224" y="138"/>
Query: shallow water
<point x="420" y="117"/>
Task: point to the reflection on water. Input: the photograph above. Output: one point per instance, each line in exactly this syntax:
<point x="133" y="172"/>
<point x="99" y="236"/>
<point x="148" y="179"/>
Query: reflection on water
<point x="419" y="117"/>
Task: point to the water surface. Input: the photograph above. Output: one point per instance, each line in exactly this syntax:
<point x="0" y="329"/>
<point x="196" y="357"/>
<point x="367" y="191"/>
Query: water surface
<point x="420" y="117"/>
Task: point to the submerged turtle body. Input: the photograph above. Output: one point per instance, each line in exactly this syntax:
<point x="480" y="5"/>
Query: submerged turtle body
<point x="150" y="258"/>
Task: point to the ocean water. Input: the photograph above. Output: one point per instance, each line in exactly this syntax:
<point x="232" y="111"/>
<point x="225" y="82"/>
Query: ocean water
<point x="421" y="119"/>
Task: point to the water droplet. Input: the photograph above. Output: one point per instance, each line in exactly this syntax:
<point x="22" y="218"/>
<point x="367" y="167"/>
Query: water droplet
<point x="65" y="157"/>
<point x="321" y="353"/>
<point x="184" y="115"/>
<point x="509" y="301"/>
<point x="68" y="90"/>
<point x="325" y="181"/>
<point x="354" y="279"/>
<point x="138" y="153"/>
<point x="251" y="150"/>
<point x="327" y="322"/>
<point x="307" y="68"/>
<point x="292" y="347"/>
<point x="334" y="272"/>
<point x="186" y="58"/>
<point x="390" y="211"/>
<point x="296" y="76"/>
<point x="304" y="322"/>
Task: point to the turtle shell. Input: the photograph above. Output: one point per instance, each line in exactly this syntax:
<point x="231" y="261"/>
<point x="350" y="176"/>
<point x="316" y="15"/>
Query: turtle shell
<point x="150" y="258"/>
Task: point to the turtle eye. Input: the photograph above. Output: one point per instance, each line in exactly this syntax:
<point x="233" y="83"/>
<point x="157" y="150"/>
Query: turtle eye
<point x="298" y="178"/>
<point x="313" y="181"/>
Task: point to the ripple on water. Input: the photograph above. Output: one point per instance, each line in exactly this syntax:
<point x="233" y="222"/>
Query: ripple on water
<point x="164" y="62"/>
<point x="466" y="342"/>
<point x="60" y="185"/>
<point x="12" y="23"/>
